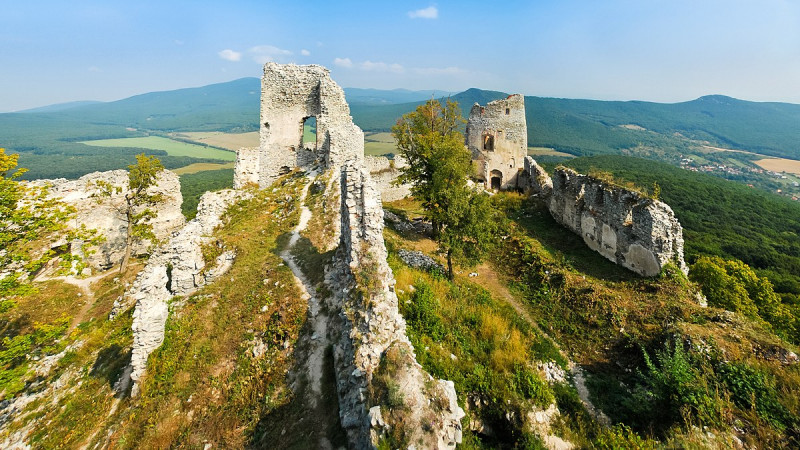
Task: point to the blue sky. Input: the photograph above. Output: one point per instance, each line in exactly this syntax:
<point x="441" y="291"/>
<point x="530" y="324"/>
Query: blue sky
<point x="657" y="50"/>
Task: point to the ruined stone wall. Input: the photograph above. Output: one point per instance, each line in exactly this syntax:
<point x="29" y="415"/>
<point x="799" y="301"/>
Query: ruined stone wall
<point x="290" y="94"/>
<point x="246" y="168"/>
<point x="384" y="172"/>
<point x="624" y="226"/>
<point x="103" y="213"/>
<point x="497" y="136"/>
<point x="534" y="179"/>
<point x="175" y="268"/>
<point x="368" y="329"/>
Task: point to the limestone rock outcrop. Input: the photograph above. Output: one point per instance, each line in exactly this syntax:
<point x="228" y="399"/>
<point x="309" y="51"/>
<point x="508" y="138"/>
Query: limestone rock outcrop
<point x="104" y="215"/>
<point x="290" y="95"/>
<point x="371" y="347"/>
<point x="634" y="231"/>
<point x="175" y="268"/>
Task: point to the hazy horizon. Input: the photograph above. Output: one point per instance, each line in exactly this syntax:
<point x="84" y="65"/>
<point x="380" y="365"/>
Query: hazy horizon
<point x="660" y="51"/>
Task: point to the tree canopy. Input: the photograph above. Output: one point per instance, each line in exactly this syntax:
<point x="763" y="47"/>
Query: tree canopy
<point x="27" y="215"/>
<point x="138" y="200"/>
<point x="438" y="169"/>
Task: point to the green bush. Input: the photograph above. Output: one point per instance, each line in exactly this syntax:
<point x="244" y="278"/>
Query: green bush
<point x="677" y="386"/>
<point x="752" y="389"/>
<point x="733" y="285"/>
<point x="422" y="313"/>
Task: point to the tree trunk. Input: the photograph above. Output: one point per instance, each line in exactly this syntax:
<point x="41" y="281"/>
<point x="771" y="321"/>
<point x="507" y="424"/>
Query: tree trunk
<point x="128" y="242"/>
<point x="450" y="265"/>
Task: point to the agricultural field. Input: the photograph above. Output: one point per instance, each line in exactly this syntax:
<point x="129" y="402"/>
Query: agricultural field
<point x="780" y="165"/>
<point x="230" y="141"/>
<point x="172" y="147"/>
<point x="379" y="144"/>
<point x="202" y="167"/>
<point x="547" y="151"/>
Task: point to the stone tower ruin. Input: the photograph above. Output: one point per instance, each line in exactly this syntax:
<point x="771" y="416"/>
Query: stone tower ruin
<point x="497" y="136"/>
<point x="292" y="95"/>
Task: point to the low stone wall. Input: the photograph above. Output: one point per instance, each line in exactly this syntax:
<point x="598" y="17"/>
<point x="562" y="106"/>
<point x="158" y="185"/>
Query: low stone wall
<point x="175" y="268"/>
<point x="384" y="172"/>
<point x="104" y="213"/>
<point x="624" y="226"/>
<point x="369" y="334"/>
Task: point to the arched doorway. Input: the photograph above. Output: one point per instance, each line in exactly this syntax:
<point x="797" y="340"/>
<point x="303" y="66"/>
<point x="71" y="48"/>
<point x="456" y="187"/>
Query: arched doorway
<point x="496" y="178"/>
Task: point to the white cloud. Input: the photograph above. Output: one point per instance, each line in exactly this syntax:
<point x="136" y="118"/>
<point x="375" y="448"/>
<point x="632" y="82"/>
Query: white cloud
<point x="343" y="62"/>
<point x="265" y="53"/>
<point x="380" y="67"/>
<point x="438" y="70"/>
<point x="305" y="52"/>
<point x="431" y="12"/>
<point x="230" y="55"/>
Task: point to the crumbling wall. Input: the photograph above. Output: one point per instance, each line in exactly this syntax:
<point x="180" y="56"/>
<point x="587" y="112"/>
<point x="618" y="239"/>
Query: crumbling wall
<point x="497" y="136"/>
<point x="246" y="168"/>
<point x="104" y="213"/>
<point x="634" y="231"/>
<point x="290" y="94"/>
<point x="175" y="268"/>
<point x="534" y="179"/>
<point x="384" y="172"/>
<point x="371" y="347"/>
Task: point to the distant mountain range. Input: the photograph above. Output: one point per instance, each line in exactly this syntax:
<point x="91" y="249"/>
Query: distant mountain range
<point x="578" y="127"/>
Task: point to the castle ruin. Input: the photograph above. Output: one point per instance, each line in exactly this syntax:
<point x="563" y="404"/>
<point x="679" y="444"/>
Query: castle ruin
<point x="293" y="96"/>
<point x="497" y="136"/>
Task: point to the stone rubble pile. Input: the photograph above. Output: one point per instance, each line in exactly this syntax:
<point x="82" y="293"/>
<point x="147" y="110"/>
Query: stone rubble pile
<point x="419" y="260"/>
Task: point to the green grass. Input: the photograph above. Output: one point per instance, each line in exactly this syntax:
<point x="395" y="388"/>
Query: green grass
<point x="172" y="147"/>
<point x="379" y="148"/>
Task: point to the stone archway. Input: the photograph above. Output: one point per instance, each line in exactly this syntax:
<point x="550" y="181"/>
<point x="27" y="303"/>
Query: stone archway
<point x="496" y="178"/>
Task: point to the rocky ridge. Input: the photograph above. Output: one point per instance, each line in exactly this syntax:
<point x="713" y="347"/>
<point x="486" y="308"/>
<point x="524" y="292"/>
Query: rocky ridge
<point x="175" y="268"/>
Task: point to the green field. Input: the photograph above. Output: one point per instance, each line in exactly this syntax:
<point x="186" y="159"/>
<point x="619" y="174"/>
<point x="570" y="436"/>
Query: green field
<point x="173" y="148"/>
<point x="379" y="144"/>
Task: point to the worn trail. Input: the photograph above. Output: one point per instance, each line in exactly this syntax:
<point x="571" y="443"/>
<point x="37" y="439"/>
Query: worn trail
<point x="318" y="341"/>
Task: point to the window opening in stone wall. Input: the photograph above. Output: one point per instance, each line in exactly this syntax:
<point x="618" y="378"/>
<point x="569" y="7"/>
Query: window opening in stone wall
<point x="508" y="111"/>
<point x="284" y="170"/>
<point x="488" y="142"/>
<point x="310" y="133"/>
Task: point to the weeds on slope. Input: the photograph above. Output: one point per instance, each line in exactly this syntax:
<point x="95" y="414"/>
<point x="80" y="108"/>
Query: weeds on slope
<point x="659" y="365"/>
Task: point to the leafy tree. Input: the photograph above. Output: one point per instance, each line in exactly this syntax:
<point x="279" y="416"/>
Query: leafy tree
<point x="137" y="201"/>
<point x="27" y="215"/>
<point x="733" y="285"/>
<point x="438" y="167"/>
